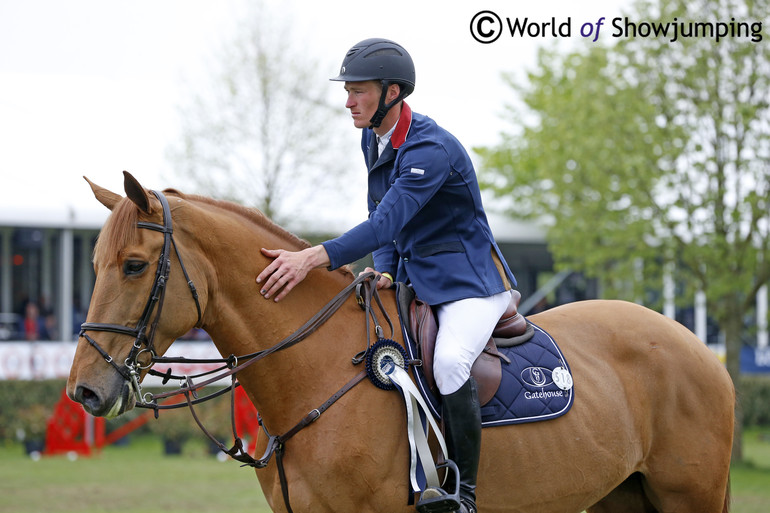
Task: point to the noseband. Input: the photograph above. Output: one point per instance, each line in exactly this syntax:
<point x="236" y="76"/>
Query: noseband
<point x="144" y="331"/>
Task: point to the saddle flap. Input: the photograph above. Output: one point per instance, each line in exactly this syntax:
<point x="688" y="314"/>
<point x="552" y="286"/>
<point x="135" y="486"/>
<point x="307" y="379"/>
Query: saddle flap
<point x="423" y="328"/>
<point x="487" y="370"/>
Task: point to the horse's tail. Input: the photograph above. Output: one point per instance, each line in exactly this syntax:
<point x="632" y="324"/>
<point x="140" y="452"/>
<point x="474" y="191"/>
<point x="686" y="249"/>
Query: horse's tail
<point x="726" y="505"/>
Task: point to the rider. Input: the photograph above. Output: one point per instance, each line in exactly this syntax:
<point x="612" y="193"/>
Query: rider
<point x="426" y="226"/>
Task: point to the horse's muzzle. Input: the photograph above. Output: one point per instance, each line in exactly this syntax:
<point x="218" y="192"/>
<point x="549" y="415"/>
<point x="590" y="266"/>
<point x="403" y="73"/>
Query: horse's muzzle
<point x="101" y="404"/>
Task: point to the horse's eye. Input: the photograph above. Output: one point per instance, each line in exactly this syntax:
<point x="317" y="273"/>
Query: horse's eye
<point x="134" y="267"/>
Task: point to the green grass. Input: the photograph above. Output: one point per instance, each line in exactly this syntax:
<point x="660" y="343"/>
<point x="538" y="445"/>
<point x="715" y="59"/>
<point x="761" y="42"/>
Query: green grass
<point x="138" y="478"/>
<point x="750" y="481"/>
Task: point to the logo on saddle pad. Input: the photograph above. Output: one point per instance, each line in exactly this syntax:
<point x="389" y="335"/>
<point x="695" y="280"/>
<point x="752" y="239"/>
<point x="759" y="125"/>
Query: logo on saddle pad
<point x="536" y="376"/>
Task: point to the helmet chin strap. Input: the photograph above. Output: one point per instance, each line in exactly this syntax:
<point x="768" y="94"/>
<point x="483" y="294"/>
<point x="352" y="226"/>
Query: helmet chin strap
<point x="383" y="108"/>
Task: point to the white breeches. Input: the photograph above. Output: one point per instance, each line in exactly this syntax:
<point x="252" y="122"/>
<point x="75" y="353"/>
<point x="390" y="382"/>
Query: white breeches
<point x="464" y="328"/>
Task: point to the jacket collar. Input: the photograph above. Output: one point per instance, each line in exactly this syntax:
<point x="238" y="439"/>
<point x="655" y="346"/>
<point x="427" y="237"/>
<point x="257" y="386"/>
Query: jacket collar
<point x="402" y="128"/>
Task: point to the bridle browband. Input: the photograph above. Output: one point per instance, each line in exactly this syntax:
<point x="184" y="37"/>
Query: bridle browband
<point x="364" y="286"/>
<point x="144" y="341"/>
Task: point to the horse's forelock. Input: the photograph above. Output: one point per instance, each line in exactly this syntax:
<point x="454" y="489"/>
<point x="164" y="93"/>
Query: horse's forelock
<point x="119" y="231"/>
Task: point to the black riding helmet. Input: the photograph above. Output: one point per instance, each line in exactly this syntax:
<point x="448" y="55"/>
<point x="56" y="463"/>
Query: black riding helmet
<point x="383" y="60"/>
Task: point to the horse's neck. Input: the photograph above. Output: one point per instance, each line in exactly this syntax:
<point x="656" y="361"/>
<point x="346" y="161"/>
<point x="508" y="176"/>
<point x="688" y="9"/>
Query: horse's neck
<point x="240" y="321"/>
<point x="306" y="370"/>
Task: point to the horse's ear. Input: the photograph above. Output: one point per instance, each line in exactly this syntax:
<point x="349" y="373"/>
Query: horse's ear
<point x="136" y="192"/>
<point x="107" y="198"/>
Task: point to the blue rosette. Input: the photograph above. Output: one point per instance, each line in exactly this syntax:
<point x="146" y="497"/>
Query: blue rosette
<point x="380" y="360"/>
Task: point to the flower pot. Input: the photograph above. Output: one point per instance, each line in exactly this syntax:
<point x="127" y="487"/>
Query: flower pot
<point x="34" y="447"/>
<point x="172" y="446"/>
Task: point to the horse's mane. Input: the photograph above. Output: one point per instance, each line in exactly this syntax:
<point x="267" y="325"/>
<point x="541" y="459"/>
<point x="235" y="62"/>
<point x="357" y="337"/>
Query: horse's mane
<point x="252" y="214"/>
<point x="121" y="230"/>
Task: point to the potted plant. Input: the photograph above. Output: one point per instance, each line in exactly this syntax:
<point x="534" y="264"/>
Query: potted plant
<point x="174" y="427"/>
<point x="31" y="425"/>
<point x="215" y="416"/>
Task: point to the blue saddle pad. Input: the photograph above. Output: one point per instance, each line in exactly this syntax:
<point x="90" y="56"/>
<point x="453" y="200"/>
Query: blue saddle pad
<point x="527" y="390"/>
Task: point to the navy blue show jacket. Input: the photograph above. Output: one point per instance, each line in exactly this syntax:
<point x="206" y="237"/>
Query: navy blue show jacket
<point x="426" y="221"/>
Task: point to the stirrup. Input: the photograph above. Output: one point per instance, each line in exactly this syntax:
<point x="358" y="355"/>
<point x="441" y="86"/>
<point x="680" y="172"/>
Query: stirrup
<point x="437" y="500"/>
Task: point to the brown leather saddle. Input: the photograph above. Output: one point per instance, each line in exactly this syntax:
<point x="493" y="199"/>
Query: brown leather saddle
<point x="512" y="329"/>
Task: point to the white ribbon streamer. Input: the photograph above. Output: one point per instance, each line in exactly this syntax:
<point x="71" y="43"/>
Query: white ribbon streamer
<point x="418" y="431"/>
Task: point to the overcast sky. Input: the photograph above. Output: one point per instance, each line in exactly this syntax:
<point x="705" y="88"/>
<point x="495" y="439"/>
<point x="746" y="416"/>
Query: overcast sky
<point x="90" y="87"/>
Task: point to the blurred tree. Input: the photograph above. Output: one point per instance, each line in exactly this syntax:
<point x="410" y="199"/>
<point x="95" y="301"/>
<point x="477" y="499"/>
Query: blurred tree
<point x="260" y="132"/>
<point x="653" y="156"/>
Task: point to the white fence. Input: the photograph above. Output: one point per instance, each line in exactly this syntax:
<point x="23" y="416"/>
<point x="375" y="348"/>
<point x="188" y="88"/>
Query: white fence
<point x="52" y="360"/>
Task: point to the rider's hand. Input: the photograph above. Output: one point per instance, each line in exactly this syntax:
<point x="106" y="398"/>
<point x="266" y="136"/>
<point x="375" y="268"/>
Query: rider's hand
<point x="384" y="281"/>
<point x="288" y="269"/>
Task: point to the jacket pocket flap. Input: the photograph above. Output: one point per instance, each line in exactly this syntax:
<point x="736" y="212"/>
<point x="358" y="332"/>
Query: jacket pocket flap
<point x="442" y="247"/>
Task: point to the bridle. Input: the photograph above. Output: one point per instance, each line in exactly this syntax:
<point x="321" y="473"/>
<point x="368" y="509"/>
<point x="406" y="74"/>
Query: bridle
<point x="364" y="286"/>
<point x="144" y="341"/>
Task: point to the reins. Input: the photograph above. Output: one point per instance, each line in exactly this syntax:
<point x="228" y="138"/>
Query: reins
<point x="367" y="281"/>
<point x="364" y="286"/>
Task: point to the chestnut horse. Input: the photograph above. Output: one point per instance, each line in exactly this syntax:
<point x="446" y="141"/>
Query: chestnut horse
<point x="650" y="429"/>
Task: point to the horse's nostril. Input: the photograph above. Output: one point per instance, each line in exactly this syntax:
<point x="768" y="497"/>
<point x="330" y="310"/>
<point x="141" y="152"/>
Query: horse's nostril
<point x="88" y="398"/>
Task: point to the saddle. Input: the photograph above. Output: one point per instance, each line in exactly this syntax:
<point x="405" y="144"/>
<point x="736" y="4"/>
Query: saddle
<point x="512" y="329"/>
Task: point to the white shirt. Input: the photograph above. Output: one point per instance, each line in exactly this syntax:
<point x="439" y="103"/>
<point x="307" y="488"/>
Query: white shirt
<point x="382" y="141"/>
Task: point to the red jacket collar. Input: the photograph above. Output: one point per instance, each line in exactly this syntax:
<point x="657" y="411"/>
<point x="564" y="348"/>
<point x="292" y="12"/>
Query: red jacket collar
<point x="402" y="128"/>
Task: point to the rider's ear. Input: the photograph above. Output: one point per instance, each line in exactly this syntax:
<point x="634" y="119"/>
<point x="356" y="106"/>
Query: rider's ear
<point x="107" y="198"/>
<point x="136" y="192"/>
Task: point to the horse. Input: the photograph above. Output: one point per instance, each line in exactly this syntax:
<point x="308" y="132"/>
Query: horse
<point x="650" y="429"/>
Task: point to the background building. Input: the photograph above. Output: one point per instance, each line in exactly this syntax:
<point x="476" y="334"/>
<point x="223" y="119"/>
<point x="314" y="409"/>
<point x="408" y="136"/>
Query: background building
<point x="46" y="280"/>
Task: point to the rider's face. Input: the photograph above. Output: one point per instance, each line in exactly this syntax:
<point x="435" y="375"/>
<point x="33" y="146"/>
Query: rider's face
<point x="363" y="100"/>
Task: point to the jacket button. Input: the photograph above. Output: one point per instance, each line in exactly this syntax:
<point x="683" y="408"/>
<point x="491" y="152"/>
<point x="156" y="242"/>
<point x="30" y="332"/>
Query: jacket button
<point x="406" y="259"/>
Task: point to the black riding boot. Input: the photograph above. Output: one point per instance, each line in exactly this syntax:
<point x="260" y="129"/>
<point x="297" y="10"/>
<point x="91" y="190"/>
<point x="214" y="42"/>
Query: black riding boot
<point x="462" y="419"/>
